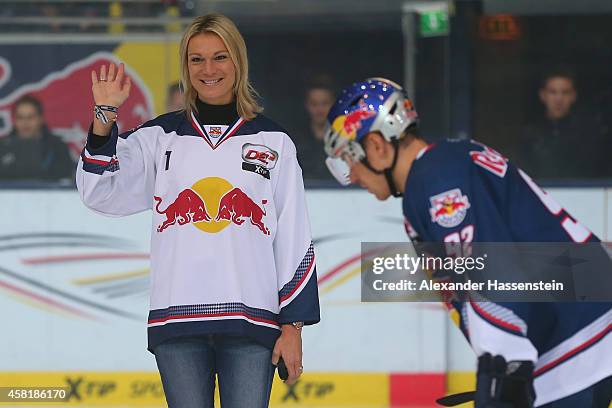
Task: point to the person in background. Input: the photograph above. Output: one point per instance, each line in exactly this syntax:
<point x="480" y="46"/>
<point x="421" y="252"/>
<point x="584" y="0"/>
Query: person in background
<point x="548" y="149"/>
<point x="31" y="151"/>
<point x="174" y="97"/>
<point x="318" y="99"/>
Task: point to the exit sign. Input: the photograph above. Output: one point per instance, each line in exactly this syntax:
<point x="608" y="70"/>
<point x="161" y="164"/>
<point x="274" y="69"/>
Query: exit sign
<point x="434" y="23"/>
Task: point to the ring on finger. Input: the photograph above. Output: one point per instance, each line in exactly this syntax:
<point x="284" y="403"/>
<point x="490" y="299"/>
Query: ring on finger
<point x="103" y="79"/>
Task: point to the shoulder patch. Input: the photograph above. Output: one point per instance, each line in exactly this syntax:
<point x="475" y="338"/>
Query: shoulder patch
<point x="259" y="159"/>
<point x="448" y="209"/>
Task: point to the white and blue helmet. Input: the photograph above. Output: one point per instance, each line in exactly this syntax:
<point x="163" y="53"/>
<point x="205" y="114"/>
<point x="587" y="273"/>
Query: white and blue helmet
<point x="373" y="105"/>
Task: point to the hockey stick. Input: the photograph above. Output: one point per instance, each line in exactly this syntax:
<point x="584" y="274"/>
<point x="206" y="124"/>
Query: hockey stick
<point x="456" y="399"/>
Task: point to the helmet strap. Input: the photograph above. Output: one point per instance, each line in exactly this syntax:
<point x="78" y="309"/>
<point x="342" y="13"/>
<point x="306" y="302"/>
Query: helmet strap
<point x="388" y="172"/>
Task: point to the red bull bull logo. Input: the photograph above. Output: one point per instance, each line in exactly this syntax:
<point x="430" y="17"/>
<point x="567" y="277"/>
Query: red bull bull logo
<point x="348" y="125"/>
<point x="209" y="196"/>
<point x="5" y="71"/>
<point x="236" y="206"/>
<point x="188" y="207"/>
<point x="449" y="209"/>
<point x="68" y="102"/>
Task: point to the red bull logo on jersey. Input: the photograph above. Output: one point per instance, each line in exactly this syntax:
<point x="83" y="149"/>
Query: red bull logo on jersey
<point x="348" y="125"/>
<point x="239" y="207"/>
<point x="188" y="207"/>
<point x="449" y="209"/>
<point x="211" y="205"/>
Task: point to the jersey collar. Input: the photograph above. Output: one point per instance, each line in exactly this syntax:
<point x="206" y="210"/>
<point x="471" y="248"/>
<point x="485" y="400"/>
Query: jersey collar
<point x="214" y="143"/>
<point x="424" y="150"/>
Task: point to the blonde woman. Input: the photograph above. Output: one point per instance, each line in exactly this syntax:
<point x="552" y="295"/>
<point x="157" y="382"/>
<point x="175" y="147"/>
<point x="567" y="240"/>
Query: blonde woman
<point x="233" y="276"/>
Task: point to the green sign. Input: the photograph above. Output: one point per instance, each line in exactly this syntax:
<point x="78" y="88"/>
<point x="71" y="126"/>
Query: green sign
<point x="434" y="23"/>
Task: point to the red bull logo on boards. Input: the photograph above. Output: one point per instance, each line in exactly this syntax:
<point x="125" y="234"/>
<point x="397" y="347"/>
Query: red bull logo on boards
<point x="211" y="205"/>
<point x="68" y="102"/>
<point x="348" y="125"/>
<point x="449" y="209"/>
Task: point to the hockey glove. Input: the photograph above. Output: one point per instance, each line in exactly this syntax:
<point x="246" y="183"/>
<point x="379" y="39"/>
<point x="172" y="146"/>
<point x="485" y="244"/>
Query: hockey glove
<point x="498" y="385"/>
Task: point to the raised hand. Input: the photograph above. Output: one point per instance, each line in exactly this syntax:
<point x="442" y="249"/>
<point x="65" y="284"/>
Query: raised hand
<point x="110" y="89"/>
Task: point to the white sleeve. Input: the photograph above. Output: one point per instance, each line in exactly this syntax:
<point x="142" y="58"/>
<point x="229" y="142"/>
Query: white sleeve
<point x="293" y="248"/>
<point x="118" y="178"/>
<point x="495" y="328"/>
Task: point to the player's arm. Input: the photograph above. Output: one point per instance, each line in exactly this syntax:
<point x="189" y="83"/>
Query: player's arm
<point x="293" y="248"/>
<point x="116" y="173"/>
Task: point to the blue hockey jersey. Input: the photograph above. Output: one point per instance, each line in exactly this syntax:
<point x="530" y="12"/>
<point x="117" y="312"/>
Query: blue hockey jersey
<point x="464" y="191"/>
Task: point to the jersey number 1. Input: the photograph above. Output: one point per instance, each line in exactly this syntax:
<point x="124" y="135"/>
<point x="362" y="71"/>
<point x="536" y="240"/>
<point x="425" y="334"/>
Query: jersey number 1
<point x="168" y="153"/>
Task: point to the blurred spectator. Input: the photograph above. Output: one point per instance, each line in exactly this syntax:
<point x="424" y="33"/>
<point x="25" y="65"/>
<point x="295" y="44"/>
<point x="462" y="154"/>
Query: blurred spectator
<point x="30" y="151"/>
<point x="563" y="143"/>
<point x="170" y="10"/>
<point x="318" y="99"/>
<point x="174" y="97"/>
<point x="89" y="10"/>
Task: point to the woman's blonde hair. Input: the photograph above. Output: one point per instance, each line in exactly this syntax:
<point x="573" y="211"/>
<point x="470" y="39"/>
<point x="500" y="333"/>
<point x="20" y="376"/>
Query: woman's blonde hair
<point x="245" y="94"/>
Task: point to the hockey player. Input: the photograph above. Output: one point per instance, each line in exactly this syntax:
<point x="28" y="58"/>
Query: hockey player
<point x="233" y="276"/>
<point x="555" y="355"/>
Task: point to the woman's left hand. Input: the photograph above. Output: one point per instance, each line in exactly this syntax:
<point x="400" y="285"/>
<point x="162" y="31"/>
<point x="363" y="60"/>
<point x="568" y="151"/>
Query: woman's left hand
<point x="289" y="347"/>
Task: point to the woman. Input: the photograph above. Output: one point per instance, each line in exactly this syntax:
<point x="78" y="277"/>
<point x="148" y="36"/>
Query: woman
<point x="228" y="297"/>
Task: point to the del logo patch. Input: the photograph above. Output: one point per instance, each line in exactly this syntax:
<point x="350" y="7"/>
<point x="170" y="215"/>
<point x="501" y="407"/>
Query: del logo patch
<point x="259" y="159"/>
<point x="448" y="209"/>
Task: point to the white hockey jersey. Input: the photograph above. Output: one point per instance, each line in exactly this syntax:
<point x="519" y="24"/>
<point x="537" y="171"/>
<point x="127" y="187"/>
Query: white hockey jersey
<point x="231" y="248"/>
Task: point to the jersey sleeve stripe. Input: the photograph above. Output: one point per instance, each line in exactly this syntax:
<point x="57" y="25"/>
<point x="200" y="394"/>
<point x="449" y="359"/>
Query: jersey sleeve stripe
<point x="574" y="352"/>
<point x="579" y="342"/>
<point x="500" y="317"/>
<point x="302" y="274"/>
<point x="97" y="166"/>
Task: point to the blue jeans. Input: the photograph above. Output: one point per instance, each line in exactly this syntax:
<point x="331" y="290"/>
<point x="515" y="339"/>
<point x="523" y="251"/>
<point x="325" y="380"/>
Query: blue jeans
<point x="188" y="366"/>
